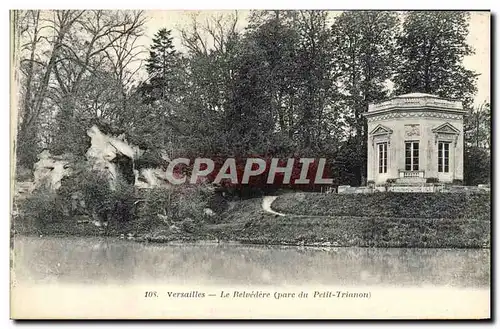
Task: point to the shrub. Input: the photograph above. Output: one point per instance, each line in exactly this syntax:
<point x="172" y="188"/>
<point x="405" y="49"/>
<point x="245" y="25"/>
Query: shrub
<point x="115" y="206"/>
<point x="123" y="208"/>
<point x="188" y="225"/>
<point x="192" y="202"/>
<point x="120" y="204"/>
<point x="46" y="206"/>
<point x="23" y="174"/>
<point x="41" y="208"/>
<point x="390" y="180"/>
<point x="154" y="207"/>
<point x="94" y="188"/>
<point x="457" y="182"/>
<point x="477" y="166"/>
<point x="174" y="204"/>
<point x="432" y="180"/>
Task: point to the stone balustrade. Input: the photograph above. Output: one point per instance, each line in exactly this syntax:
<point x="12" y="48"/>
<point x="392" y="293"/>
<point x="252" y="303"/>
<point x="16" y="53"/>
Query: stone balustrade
<point x="411" y="174"/>
<point x="414" y="102"/>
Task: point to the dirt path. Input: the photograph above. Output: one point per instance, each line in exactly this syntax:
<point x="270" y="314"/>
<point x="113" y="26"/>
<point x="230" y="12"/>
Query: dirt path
<point x="266" y="205"/>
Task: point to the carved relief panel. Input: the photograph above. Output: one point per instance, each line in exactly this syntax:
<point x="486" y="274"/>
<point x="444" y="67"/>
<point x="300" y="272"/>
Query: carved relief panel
<point x="412" y="130"/>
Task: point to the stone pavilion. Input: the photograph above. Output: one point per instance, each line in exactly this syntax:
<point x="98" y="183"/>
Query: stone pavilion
<point x="414" y="137"/>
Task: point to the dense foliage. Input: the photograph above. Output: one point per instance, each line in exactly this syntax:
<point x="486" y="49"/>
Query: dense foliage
<point x="287" y="84"/>
<point x="86" y="200"/>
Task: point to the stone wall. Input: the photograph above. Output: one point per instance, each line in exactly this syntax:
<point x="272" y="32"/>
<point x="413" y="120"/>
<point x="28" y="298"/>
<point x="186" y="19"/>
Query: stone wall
<point x="423" y="188"/>
<point x="428" y="151"/>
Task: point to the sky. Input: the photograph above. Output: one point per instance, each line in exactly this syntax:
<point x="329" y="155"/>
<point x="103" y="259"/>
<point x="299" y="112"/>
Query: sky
<point x="478" y="38"/>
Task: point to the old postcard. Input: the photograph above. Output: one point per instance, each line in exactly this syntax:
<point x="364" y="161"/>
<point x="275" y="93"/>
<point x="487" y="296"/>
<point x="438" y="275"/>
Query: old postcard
<point x="260" y="164"/>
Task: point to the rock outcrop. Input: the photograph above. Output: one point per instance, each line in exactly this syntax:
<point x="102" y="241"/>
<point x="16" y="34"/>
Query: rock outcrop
<point x="112" y="155"/>
<point x="50" y="170"/>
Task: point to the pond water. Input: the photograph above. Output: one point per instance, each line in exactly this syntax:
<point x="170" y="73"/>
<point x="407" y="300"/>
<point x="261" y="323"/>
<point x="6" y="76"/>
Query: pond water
<point x="114" y="261"/>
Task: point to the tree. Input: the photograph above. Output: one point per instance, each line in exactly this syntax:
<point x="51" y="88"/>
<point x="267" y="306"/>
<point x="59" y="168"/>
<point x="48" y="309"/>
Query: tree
<point x="213" y="53"/>
<point x="161" y="67"/>
<point x="285" y="65"/>
<point x="477" y="143"/>
<point x="431" y="49"/>
<point x="477" y="127"/>
<point x="273" y="33"/>
<point x="39" y="52"/>
<point x="158" y="120"/>
<point x="249" y="124"/>
<point x="125" y="61"/>
<point x="83" y="68"/>
<point x="477" y="166"/>
<point x="316" y="78"/>
<point x="364" y="47"/>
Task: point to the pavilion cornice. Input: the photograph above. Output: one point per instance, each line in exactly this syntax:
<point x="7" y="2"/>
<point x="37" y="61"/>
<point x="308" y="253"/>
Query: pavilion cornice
<point x="416" y="101"/>
<point x="395" y="110"/>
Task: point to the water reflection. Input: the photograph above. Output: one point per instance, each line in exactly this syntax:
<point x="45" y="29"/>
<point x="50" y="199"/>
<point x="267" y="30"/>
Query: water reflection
<point x="95" y="260"/>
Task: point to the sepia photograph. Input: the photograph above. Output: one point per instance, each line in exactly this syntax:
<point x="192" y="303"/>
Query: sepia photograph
<point x="250" y="164"/>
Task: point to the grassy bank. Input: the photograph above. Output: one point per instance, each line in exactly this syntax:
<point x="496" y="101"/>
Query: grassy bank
<point x="427" y="223"/>
<point x="378" y="220"/>
<point x="368" y="232"/>
<point x="404" y="205"/>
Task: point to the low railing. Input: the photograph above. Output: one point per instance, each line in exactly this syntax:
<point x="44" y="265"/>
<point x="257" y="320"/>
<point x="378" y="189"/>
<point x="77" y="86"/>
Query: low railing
<point x="412" y="102"/>
<point x="411" y="174"/>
